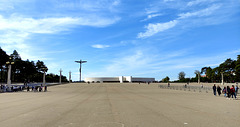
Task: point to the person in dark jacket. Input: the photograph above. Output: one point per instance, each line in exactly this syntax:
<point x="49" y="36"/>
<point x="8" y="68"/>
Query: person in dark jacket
<point x="28" y="88"/>
<point x="45" y="88"/>
<point x="232" y="89"/>
<point x="228" y="92"/>
<point x="214" y="89"/>
<point x="219" y="89"/>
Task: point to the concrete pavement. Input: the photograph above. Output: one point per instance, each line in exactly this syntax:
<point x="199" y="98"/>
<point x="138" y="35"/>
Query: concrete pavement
<point x="116" y="105"/>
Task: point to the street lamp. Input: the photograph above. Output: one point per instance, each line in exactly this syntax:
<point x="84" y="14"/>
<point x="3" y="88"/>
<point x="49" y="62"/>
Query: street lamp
<point x="80" y="62"/>
<point x="44" y="75"/>
<point x="70" y="76"/>
<point x="198" y="78"/>
<point x="9" y="63"/>
<point x="222" y="78"/>
<point x="60" y="78"/>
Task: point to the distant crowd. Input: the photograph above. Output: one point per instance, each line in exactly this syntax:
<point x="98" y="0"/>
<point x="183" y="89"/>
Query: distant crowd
<point x="6" y="88"/>
<point x="227" y="91"/>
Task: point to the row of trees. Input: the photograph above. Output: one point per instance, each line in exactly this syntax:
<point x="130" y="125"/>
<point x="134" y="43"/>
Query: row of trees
<point x="229" y="68"/>
<point x="25" y="71"/>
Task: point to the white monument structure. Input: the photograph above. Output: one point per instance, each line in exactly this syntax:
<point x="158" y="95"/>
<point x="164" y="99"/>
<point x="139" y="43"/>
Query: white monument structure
<point x="120" y="79"/>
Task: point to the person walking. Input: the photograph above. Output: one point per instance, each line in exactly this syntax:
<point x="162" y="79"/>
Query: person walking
<point x="228" y="92"/>
<point x="232" y="89"/>
<point x="224" y="91"/>
<point x="236" y="89"/>
<point x="28" y="88"/>
<point x="219" y="89"/>
<point x="40" y="88"/>
<point x="45" y="88"/>
<point x="214" y="89"/>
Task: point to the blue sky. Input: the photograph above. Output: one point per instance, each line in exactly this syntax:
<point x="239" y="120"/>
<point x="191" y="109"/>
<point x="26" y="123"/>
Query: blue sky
<point x="142" y="38"/>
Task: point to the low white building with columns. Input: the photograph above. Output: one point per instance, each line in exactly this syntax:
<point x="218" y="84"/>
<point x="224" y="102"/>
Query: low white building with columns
<point x="120" y="79"/>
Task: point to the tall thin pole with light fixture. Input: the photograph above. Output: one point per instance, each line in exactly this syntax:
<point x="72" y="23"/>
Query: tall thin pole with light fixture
<point x="60" y="78"/>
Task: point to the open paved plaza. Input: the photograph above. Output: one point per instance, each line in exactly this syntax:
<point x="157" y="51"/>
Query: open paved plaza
<point x="117" y="105"/>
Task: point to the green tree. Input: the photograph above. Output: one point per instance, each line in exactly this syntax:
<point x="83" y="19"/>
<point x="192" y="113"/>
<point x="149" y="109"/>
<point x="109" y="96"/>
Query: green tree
<point x="3" y="59"/>
<point x="40" y="66"/>
<point x="25" y="70"/>
<point x="237" y="69"/>
<point x="166" y="79"/>
<point x="15" y="55"/>
<point x="228" y="68"/>
<point x="181" y="76"/>
<point x="208" y="72"/>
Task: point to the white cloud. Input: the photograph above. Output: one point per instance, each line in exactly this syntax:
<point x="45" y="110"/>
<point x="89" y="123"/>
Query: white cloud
<point x="128" y="64"/>
<point x="88" y="5"/>
<point x="16" y="30"/>
<point x="3" y="7"/>
<point x="156" y="28"/>
<point x="50" y="25"/>
<point x="196" y="2"/>
<point x="152" y="16"/>
<point x="205" y="12"/>
<point x="116" y="2"/>
<point x="153" y="29"/>
<point x="100" y="46"/>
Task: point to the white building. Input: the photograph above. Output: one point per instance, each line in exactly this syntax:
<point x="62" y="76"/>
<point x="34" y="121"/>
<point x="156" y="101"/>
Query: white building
<point x="120" y="79"/>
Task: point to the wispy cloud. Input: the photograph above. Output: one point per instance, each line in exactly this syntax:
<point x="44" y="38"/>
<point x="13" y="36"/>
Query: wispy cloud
<point x="5" y="6"/>
<point x="156" y="28"/>
<point x="196" y="2"/>
<point x="15" y="30"/>
<point x="128" y="63"/>
<point x="50" y="25"/>
<point x="150" y="16"/>
<point x="205" y="12"/>
<point x="90" y="6"/>
<point x="182" y="19"/>
<point x="100" y="46"/>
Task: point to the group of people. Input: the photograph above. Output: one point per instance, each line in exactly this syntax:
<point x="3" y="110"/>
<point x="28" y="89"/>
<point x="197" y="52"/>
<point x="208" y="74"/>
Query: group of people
<point x="37" y="88"/>
<point x="3" y="88"/>
<point x="6" y="88"/>
<point x="13" y="88"/>
<point x="227" y="91"/>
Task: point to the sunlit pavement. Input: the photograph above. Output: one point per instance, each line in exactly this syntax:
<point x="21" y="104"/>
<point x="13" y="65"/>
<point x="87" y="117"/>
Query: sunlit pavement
<point x="117" y="105"/>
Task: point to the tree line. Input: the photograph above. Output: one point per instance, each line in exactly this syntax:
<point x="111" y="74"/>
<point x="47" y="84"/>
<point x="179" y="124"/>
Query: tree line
<point x="230" y="69"/>
<point x="25" y="70"/>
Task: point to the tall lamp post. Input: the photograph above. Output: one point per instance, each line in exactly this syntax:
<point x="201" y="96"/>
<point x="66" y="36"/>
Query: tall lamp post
<point x="9" y="63"/>
<point x="70" y="76"/>
<point x="222" y="78"/>
<point x="60" y="78"/>
<point x="198" y="78"/>
<point x="44" y="76"/>
<point x="80" y="62"/>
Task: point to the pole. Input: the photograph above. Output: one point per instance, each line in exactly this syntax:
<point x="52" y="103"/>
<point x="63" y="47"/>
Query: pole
<point x="69" y="76"/>
<point x="9" y="75"/>
<point x="80" y="70"/>
<point x="44" y="79"/>
<point x="60" y="78"/>
<point x="222" y="78"/>
<point x="198" y="78"/>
